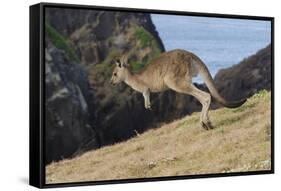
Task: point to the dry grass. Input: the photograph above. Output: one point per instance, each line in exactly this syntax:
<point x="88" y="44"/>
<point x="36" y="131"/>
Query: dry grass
<point x="240" y="142"/>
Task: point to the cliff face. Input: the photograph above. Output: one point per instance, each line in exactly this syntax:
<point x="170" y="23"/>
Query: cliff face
<point x="69" y="122"/>
<point x="247" y="77"/>
<point x="96" y="34"/>
<point x="83" y="111"/>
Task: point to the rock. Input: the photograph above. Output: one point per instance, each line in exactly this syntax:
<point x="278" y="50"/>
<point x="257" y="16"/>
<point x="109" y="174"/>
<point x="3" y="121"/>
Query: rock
<point x="152" y="164"/>
<point x="83" y="110"/>
<point x="95" y="34"/>
<point x="69" y="123"/>
<point x="247" y="77"/>
<point x="265" y="164"/>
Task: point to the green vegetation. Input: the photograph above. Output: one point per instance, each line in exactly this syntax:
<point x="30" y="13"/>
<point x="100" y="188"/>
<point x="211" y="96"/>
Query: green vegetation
<point x="141" y="39"/>
<point x="106" y="66"/>
<point x="61" y="42"/>
<point x="143" y="36"/>
<point x="105" y="69"/>
<point x="156" y="49"/>
<point x="239" y="142"/>
<point x="145" y="40"/>
<point x="136" y="65"/>
<point x="261" y="94"/>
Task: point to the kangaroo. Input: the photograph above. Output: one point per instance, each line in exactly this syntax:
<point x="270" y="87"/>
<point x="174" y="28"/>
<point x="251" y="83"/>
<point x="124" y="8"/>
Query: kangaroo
<point x="173" y="70"/>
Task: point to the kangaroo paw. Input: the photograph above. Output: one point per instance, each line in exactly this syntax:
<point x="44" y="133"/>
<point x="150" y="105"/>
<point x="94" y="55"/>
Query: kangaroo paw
<point x="207" y="125"/>
<point x="204" y="126"/>
<point x="148" y="107"/>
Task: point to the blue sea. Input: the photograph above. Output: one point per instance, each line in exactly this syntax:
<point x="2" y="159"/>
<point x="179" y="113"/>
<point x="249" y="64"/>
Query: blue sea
<point x="219" y="42"/>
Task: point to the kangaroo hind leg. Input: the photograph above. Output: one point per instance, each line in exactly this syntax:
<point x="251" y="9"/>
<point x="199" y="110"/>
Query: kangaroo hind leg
<point x="181" y="86"/>
<point x="205" y="99"/>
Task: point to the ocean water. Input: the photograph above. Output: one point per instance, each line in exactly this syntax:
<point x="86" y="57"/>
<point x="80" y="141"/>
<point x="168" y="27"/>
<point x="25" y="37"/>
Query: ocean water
<point x="219" y="42"/>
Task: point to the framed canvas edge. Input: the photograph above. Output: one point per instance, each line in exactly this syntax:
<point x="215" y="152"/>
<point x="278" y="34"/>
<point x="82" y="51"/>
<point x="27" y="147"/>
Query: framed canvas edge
<point x="35" y="95"/>
<point x="41" y="152"/>
<point x="155" y="11"/>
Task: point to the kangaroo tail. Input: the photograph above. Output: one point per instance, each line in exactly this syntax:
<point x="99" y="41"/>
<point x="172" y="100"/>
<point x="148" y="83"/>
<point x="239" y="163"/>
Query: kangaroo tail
<point x="207" y="78"/>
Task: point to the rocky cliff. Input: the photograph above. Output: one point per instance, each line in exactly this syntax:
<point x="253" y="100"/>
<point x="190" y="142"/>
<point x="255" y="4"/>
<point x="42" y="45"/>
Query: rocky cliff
<point x="97" y="34"/>
<point x="247" y="77"/>
<point x="83" y="111"/>
<point x="69" y="122"/>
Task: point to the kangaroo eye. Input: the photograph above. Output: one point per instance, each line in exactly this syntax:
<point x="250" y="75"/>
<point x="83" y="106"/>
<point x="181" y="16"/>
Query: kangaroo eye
<point x="115" y="74"/>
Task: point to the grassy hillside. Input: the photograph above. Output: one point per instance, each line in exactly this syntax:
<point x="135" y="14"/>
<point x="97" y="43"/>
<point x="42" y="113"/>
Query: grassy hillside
<point x="240" y="142"/>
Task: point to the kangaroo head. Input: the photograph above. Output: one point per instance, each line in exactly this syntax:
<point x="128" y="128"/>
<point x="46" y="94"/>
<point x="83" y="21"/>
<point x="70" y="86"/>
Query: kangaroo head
<point x="120" y="72"/>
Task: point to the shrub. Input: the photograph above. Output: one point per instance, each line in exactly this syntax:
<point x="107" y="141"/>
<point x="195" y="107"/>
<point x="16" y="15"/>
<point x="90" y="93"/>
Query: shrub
<point x="143" y="36"/>
<point x="61" y="42"/>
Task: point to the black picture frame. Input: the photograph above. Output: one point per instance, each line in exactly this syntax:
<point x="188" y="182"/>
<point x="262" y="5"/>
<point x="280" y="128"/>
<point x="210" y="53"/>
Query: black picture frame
<point x="37" y="92"/>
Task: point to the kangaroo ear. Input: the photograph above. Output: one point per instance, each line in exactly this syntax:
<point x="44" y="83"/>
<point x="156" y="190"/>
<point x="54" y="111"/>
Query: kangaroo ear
<point x="118" y="63"/>
<point x="126" y="65"/>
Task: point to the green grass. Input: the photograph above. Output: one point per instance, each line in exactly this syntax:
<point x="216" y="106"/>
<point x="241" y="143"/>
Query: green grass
<point x="261" y="94"/>
<point x="61" y="42"/>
